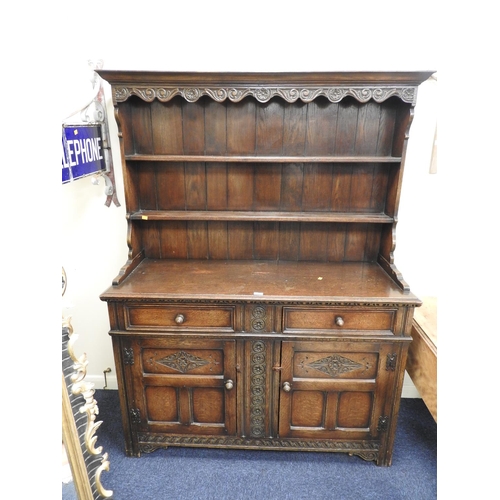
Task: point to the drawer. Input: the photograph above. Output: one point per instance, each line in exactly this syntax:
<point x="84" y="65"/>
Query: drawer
<point x="337" y="319"/>
<point x="179" y="317"/>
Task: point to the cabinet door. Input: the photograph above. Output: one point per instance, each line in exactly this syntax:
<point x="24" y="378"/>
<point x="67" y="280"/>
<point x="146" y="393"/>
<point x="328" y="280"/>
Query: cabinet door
<point x="184" y="386"/>
<point x="333" y="390"/>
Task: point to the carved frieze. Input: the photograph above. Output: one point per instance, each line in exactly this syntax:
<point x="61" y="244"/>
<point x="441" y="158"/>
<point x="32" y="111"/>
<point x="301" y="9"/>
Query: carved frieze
<point x="263" y="301"/>
<point x="264" y="94"/>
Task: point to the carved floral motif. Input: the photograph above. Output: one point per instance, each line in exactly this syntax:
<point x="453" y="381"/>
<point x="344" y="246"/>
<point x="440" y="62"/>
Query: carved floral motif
<point x="183" y="361"/>
<point x="335" y="365"/>
<point x="257" y="388"/>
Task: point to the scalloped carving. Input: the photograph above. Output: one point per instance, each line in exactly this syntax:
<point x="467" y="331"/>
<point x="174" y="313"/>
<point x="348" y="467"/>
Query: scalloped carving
<point x="264" y="94"/>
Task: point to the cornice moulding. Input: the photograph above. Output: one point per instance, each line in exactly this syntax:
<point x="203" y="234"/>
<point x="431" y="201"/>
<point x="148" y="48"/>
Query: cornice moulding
<point x="335" y="86"/>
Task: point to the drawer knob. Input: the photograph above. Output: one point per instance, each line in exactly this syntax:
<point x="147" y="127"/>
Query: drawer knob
<point x="179" y="319"/>
<point x="287" y="387"/>
<point x="339" y="321"/>
<point x="229" y="384"/>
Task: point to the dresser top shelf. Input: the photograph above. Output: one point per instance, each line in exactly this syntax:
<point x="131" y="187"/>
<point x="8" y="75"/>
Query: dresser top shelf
<point x="284" y="281"/>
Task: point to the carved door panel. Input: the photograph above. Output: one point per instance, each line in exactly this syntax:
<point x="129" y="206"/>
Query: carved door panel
<point x="184" y="386"/>
<point x="333" y="390"/>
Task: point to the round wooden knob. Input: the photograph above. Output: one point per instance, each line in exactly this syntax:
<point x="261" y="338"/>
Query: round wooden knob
<point x="339" y="321"/>
<point x="179" y="319"/>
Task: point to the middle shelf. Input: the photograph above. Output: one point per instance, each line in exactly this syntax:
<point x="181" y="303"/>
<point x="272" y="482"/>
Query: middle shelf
<point x="361" y="159"/>
<point x="274" y="216"/>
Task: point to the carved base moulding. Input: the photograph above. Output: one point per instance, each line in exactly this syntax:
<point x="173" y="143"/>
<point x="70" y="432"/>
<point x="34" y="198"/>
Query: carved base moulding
<point x="149" y="443"/>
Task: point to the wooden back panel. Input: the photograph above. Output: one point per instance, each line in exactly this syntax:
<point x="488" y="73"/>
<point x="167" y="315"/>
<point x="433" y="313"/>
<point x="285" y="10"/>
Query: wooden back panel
<point x="292" y="241"/>
<point x="296" y="187"/>
<point x="320" y="127"/>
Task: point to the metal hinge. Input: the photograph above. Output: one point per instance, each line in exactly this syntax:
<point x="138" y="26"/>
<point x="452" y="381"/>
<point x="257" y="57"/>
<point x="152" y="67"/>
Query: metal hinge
<point x="383" y="423"/>
<point x="135" y="415"/>
<point x="128" y="356"/>
<point x="391" y="361"/>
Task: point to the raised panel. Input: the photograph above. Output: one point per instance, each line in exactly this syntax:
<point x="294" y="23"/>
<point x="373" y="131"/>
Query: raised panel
<point x="354" y="410"/>
<point x="162" y="404"/>
<point x="308" y="409"/>
<point x="208" y="405"/>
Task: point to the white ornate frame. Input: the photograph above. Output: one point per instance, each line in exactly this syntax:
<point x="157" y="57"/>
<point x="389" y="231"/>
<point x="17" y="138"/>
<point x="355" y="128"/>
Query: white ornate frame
<point x="78" y="404"/>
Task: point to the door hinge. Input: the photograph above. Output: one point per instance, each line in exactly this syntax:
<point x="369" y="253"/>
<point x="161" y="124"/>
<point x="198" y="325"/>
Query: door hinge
<point x="128" y="356"/>
<point x="383" y="423"/>
<point x="391" y="361"/>
<point x="135" y="415"/>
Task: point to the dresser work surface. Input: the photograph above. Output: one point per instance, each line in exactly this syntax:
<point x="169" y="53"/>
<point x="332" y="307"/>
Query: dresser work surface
<point x="260" y="306"/>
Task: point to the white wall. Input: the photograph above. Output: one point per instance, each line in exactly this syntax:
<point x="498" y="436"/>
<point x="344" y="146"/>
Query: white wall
<point x="95" y="236"/>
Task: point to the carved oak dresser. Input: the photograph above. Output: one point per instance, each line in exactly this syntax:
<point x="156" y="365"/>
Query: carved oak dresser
<point x="260" y="306"/>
